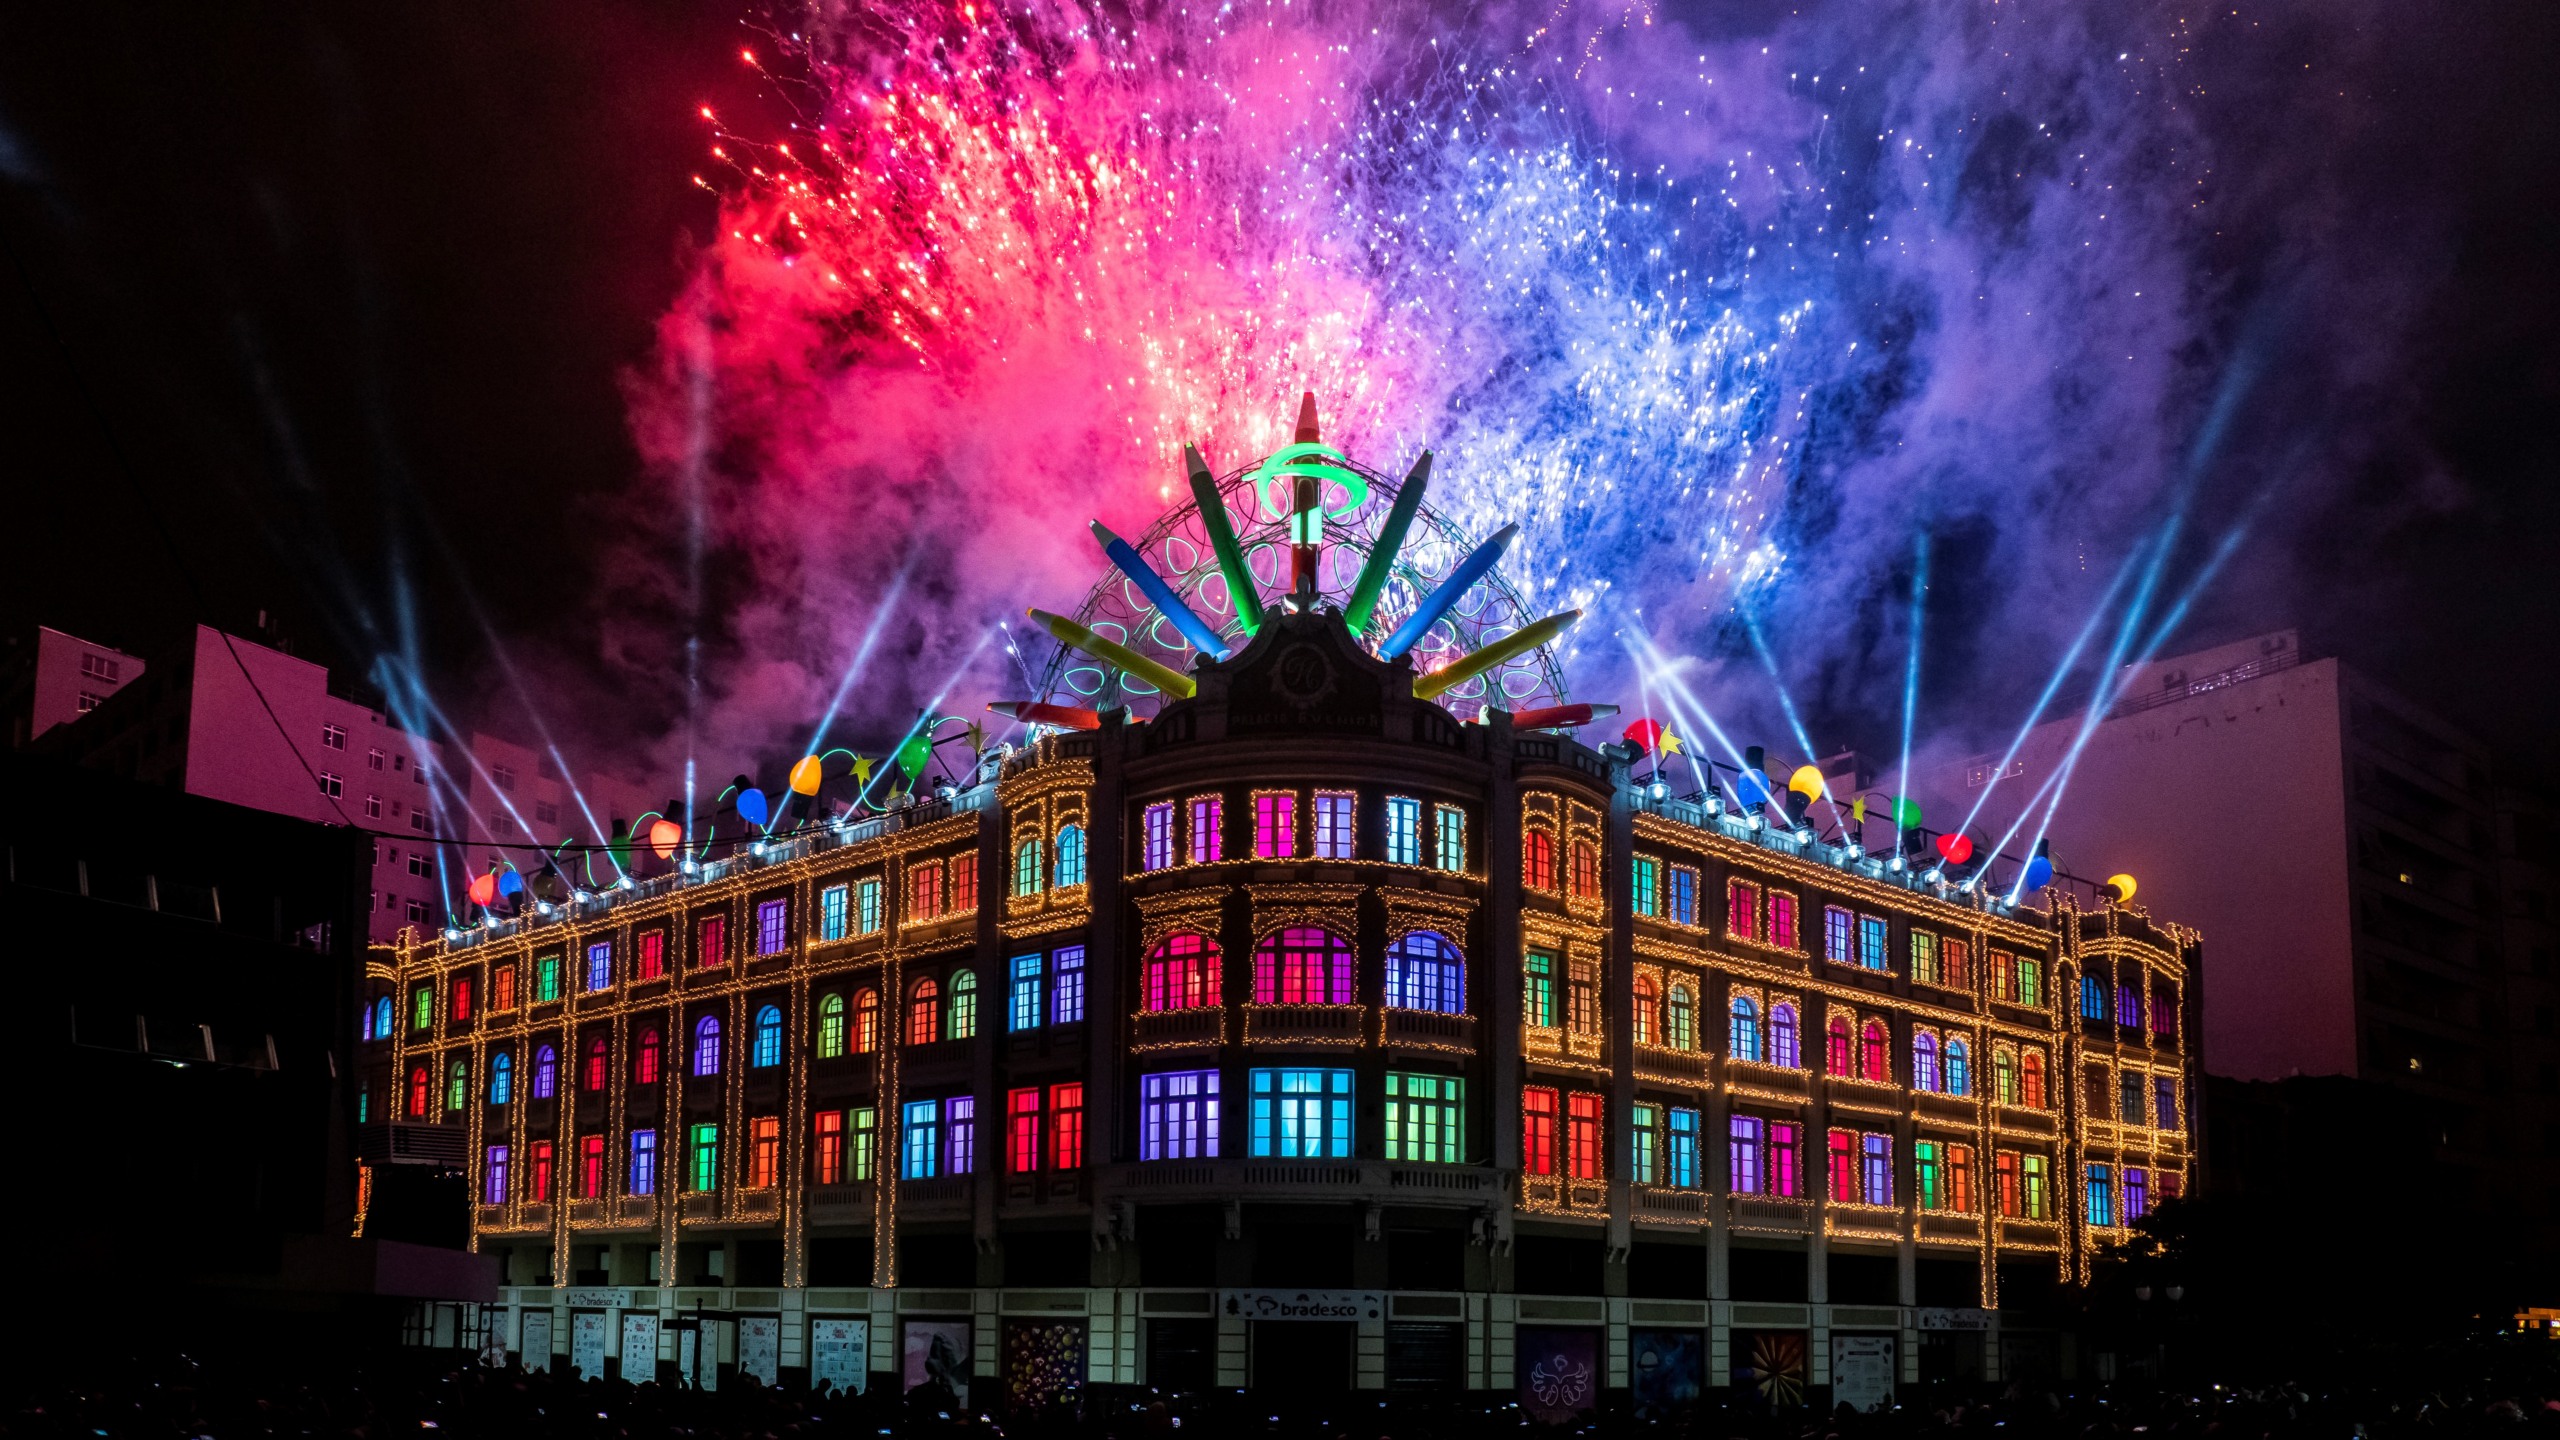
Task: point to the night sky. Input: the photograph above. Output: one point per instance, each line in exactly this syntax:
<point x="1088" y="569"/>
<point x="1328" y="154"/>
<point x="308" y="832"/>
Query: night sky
<point x="390" y="301"/>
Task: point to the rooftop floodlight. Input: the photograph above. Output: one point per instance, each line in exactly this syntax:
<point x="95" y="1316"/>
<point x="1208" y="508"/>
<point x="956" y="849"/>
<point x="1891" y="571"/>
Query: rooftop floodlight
<point x="687" y="865"/>
<point x="1935" y="876"/>
<point x="1715" y="803"/>
<point x="1895" y="864"/>
<point x="1804" y="834"/>
<point x="1753" y="820"/>
<point x="756" y="847"/>
<point x="491" y="921"/>
<point x="626" y="882"/>
<point x="452" y="933"/>
<point x="546" y="909"/>
<point x="1661" y="791"/>
<point x="580" y="897"/>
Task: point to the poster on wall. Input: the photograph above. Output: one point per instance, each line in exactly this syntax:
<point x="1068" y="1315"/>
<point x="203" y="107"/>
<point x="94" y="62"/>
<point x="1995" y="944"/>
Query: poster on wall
<point x="936" y="1352"/>
<point x="1559" y="1370"/>
<point x="1043" y="1363"/>
<point x="760" y="1348"/>
<point x="1862" y="1371"/>
<point x="586" y="1344"/>
<point x="1667" y="1370"/>
<point x="838" y="1354"/>
<point x="688" y="1340"/>
<point x="639" y="1346"/>
<point x="537" y="1340"/>
<point x="1769" y="1366"/>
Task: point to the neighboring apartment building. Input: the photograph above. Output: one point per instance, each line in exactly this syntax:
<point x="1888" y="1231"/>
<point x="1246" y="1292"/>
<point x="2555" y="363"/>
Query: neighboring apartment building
<point x="2377" y="901"/>
<point x="57" y="679"/>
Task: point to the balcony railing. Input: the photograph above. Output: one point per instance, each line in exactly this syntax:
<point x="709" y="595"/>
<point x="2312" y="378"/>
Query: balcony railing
<point x="1427" y="1030"/>
<point x="1770" y="1212"/>
<point x="840" y="1203"/>
<point x="1162" y="1029"/>
<point x="1686" y="1065"/>
<point x="1304" y="1024"/>
<point x="1655" y="1202"/>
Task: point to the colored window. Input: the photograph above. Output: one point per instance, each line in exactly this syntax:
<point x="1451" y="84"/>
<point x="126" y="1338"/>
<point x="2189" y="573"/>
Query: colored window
<point x="644" y="1062"/>
<point x="2030" y="981"/>
<point x="2037" y="1188"/>
<point x="1742" y="1029"/>
<point x="768" y="1048"/>
<point x="1070" y="856"/>
<point x="1747" y="1139"/>
<point x="830" y="1027"/>
<point x="924" y="1012"/>
<point x="462" y="995"/>
<point x="1924" y="959"/>
<point x="1641" y="1015"/>
<point x="1156" y="836"/>
<point x="920" y="1153"/>
<point x="422" y="1007"/>
<point x="1928" y="1164"/>
<point x="1404" y="830"/>
<point x="1839" y="935"/>
<point x="1960" y="1178"/>
<point x="964" y="1004"/>
<point x="1178" y="1115"/>
<point x="1066" y="1126"/>
<point x="1786" y="1158"/>
<point x="1959" y="1067"/>
<point x="1679" y="1019"/>
<point x="924" y="891"/>
<point x="590" y="1166"/>
<point x="1208" y="829"/>
<point x="1680" y="1167"/>
<point x="711" y="942"/>
<point x="502" y="1068"/>
<point x="1027" y="873"/>
<point x="540" y="1187"/>
<point x="1875" y="1169"/>
<point x="382" y="1013"/>
<point x="827" y="1147"/>
<point x="1582" y="1134"/>
<point x="599" y="975"/>
<point x="706" y="1045"/>
<point x="1538" y="1000"/>
<point x="1782" y="921"/>
<point x="1024" y="1010"/>
<point x="2128" y="1006"/>
<point x="960" y="1134"/>
<point x="1784" y="1045"/>
<point x="864" y="1148"/>
<point x="1645" y="878"/>
<point x="493" y="1177"/>
<point x="1275" y="825"/>
<point x="2031" y="1079"/>
<point x="1303" y="966"/>
<point x="964" y="884"/>
<point x="546" y="979"/>
<point x="1426" y="972"/>
<point x="1337" y="815"/>
<point x="772" y="926"/>
<point x="2137" y="1195"/>
<point x="1873" y="935"/>
<point x="1924" y="1061"/>
<point x="1582" y="997"/>
<point x="1684" y="896"/>
<point x="1182" y="973"/>
<point x="2005" y="1193"/>
<point x="1301" y="1114"/>
<point x="653" y="956"/>
<point x="2129" y="1097"/>
<point x="2093" y="998"/>
<point x="1956" y="964"/>
<point x="1842" y="1166"/>
<point x="1644" y="1143"/>
<point x="1538" y="860"/>
<point x="2164" y="1021"/>
<point x="1742" y="909"/>
<point x="599" y="1065"/>
<point x="834" y="907"/>
<point x="2102" y="1202"/>
<point x="1586" y="870"/>
<point x="866" y="897"/>
<point x="1066" y="985"/>
<point x="643" y="1174"/>
<point x="1426" y="1118"/>
<point x="705" y="1155"/>
<point x="1538" y="1130"/>
<point x="2164" y="1101"/>
<point x="1449" y="838"/>
<point x="546" y="1072"/>
<point x="1875" y="1052"/>
<point x="457" y="1087"/>
<point x="1022" y="1148"/>
<point x="1839" y="1054"/>
<point x="2004" y="1076"/>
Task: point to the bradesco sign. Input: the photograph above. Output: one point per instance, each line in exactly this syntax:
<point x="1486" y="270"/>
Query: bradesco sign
<point x="1305" y="1304"/>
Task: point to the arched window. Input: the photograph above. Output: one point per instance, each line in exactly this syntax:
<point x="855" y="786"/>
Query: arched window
<point x="1784" y="1047"/>
<point x="924" y="1012"/>
<point x="2093" y="998"/>
<point x="964" y="1005"/>
<point x="644" y="1063"/>
<point x="1586" y="870"/>
<point x="706" y="1045"/>
<point x="1959" y="1067"/>
<point x="364" y="1023"/>
<point x="1680" y="1020"/>
<point x="1538" y="860"/>
<point x="546" y="1073"/>
<point x="831" y="1027"/>
<point x="2128" y="1006"/>
<point x="502" y="1077"/>
<point x="2004" y="1075"/>
<point x="768" y="1051"/>
<point x="2031" y="1079"/>
<point x="1839" y="1056"/>
<point x="1426" y="972"/>
<point x="1648" y="999"/>
<point x="1924" y="1060"/>
<point x="382" y="1018"/>
<point x="1742" y="1029"/>
<point x="421" y="1085"/>
<point x="1026" y="868"/>
<point x="1182" y="973"/>
<point x="866" y="1020"/>
<point x="1302" y="966"/>
<point x="1875" y="1053"/>
<point x="599" y="1062"/>
<point x="1070" y="855"/>
<point x="457" y="1087"/>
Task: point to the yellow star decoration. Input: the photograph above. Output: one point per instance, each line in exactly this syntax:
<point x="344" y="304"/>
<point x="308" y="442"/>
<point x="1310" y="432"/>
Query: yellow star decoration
<point x="861" y="771"/>
<point x="1670" y="742"/>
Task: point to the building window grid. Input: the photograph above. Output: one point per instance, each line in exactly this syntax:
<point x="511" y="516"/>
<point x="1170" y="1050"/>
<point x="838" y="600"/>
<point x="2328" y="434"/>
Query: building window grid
<point x="1645" y="886"/>
<point x="1275" y="825"/>
<point x="1449" y="838"/>
<point x="1425" y="971"/>
<point x="1425" y="1118"/>
<point x="1684" y="895"/>
<point x="1303" y="965"/>
<point x="833" y="908"/>
<point x="1208" y="825"/>
<point x="1301" y="1114"/>
<point x="1156" y="836"/>
<point x="1404" y="830"/>
<point x="1178" y="1115"/>
<point x="1337" y="825"/>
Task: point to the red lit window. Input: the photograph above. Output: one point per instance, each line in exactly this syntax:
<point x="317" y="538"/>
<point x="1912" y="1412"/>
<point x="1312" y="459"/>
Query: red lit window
<point x="1537" y="1131"/>
<point x="1782" y="920"/>
<point x="2004" y="1183"/>
<point x="1742" y="909"/>
<point x="709" y="952"/>
<point x="1956" y="959"/>
<point x="1302" y="966"/>
<point x="830" y="1147"/>
<point x="644" y="1064"/>
<point x="1843" y="1168"/>
<point x="1838" y="1054"/>
<point x="1586" y="870"/>
<point x="462" y="997"/>
<point x="1648" y="996"/>
<point x="1066" y="1126"/>
<point x="590" y="1166"/>
<point x="866" y="1021"/>
<point x="1875" y="1053"/>
<point x="964" y="884"/>
<point x="653" y="955"/>
<point x="1582" y="1134"/>
<point x="419" y="1087"/>
<point x="924" y="1013"/>
<point x="2031" y="1079"/>
<point x="924" y="891"/>
<point x="1960" y="1178"/>
<point x="1022" y="1130"/>
<point x="598" y="1063"/>
<point x="541" y="1189"/>
<point x="1182" y="973"/>
<point x="1538" y="860"/>
<point x="764" y="1152"/>
<point x="502" y="988"/>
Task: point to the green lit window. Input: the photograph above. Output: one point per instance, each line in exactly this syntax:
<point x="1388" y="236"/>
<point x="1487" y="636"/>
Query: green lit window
<point x="1644" y="1139"/>
<point x="865" y="1142"/>
<point x="1449" y="837"/>
<point x="2030" y="981"/>
<point x="1026" y="868"/>
<point x="831" y="1027"/>
<point x="706" y="1157"/>
<point x="457" y="1091"/>
<point x="1925" y="969"/>
<point x="1648" y="886"/>
<point x="1426" y="1118"/>
<point x="867" y="907"/>
<point x="546" y="979"/>
<point x="422" y="1008"/>
<point x="1404" y="830"/>
<point x="964" y="1005"/>
<point x="2037" y="1196"/>
<point x="1540" y="1001"/>
<point x="1926" y="1159"/>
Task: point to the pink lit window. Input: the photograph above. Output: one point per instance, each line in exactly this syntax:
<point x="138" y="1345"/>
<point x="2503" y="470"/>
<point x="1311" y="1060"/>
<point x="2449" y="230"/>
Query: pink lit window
<point x="1302" y="966"/>
<point x="1275" y="826"/>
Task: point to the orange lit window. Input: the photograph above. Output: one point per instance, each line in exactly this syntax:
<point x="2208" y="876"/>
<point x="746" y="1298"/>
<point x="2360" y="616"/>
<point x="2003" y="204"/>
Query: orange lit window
<point x="502" y="988"/>
<point x="866" y="1021"/>
<point x="1538" y="860"/>
<point x="924" y="891"/>
<point x="1586" y="870"/>
<point x="830" y="1147"/>
<point x="764" y="1152"/>
<point x="924" y="1013"/>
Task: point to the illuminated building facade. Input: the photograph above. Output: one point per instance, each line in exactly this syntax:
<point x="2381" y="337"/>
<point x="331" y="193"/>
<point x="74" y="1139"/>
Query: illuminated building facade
<point x="1301" y="1035"/>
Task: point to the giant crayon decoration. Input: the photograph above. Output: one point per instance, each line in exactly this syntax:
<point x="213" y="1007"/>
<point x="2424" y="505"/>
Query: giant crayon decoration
<point x="1222" y="539"/>
<point x="1519" y="642"/>
<point x="1437" y="603"/>
<point x="1111" y="652"/>
<point x="1040" y="712"/>
<point x="1382" y="555"/>
<point x="1184" y="618"/>
<point x="1560" y="717"/>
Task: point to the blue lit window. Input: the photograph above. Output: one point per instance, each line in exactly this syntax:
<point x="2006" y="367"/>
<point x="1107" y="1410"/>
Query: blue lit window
<point x="1837" y="941"/>
<point x="1024" y="1011"/>
<point x="768" y="1050"/>
<point x="1066" y="985"/>
<point x="1875" y="1169"/>
<point x="1681" y="1167"/>
<point x="1871" y="942"/>
<point x="920" y="1158"/>
<point x="2102" y="1198"/>
<point x="1178" y="1115"/>
<point x="1426" y="972"/>
<point x="502" y="1077"/>
<point x="600" y="965"/>
<point x="1743" y="1029"/>
<point x="1302" y="1113"/>
<point x="1684" y="896"/>
<point x="2093" y="998"/>
<point x="867" y="911"/>
<point x="1070" y="855"/>
<point x="831" y="912"/>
